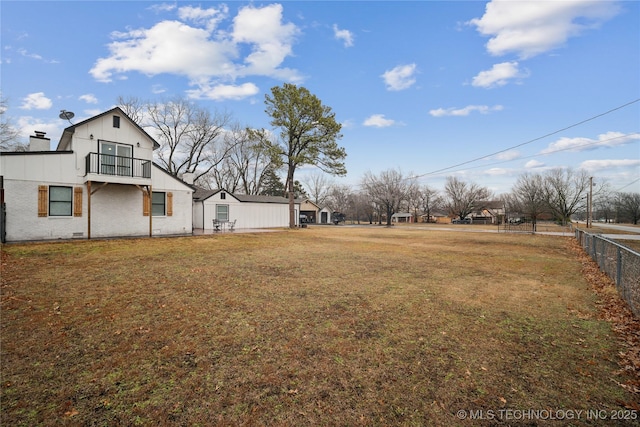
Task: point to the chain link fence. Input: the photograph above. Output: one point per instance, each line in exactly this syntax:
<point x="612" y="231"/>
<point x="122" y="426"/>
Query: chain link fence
<point x="620" y="263"/>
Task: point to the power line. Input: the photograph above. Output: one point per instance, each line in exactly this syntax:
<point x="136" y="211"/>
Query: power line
<point x="544" y="154"/>
<point x="631" y="183"/>
<point x="532" y="140"/>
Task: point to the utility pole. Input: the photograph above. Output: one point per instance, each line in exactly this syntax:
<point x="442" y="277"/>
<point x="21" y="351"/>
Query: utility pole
<point x="590" y="204"/>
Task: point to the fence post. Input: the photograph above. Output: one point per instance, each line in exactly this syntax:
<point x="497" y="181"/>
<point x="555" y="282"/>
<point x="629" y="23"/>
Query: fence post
<point x="619" y="268"/>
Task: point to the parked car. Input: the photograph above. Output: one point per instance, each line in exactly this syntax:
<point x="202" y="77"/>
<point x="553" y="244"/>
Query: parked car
<point x="461" y="221"/>
<point x="337" y="217"/>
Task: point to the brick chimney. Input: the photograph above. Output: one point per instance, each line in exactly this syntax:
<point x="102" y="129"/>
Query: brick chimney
<point x="39" y="142"/>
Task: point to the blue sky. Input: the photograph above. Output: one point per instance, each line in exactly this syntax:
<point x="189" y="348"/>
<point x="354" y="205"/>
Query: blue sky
<point x="480" y="90"/>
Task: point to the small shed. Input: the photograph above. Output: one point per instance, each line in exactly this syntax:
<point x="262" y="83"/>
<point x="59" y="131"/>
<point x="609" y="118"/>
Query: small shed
<point x="324" y="216"/>
<point x="245" y="211"/>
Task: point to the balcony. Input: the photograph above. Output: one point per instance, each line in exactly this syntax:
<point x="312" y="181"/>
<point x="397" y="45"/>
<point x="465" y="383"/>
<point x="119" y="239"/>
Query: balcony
<point x="118" y="169"/>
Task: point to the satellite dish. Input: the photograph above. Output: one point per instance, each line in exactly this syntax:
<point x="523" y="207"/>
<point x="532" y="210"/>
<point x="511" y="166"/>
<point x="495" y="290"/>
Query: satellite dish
<point x="66" y="115"/>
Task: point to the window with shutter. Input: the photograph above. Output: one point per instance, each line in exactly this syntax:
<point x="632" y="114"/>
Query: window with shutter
<point x="60" y="201"/>
<point x="158" y="203"/>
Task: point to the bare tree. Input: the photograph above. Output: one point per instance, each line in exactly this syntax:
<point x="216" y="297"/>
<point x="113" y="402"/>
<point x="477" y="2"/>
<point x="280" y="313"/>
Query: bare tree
<point x="565" y="191"/>
<point x="339" y="198"/>
<point x="429" y="200"/>
<point x="603" y="200"/>
<point x="8" y="133"/>
<point x="246" y="165"/>
<point x="133" y="107"/>
<point x="628" y="205"/>
<point x="363" y="208"/>
<point x="191" y="138"/>
<point x="463" y="196"/>
<point x="412" y="202"/>
<point x="528" y="196"/>
<point x="318" y="187"/>
<point x="388" y="190"/>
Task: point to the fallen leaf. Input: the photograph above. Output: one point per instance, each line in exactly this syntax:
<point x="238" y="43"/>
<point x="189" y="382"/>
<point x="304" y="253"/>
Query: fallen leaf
<point x="71" y="413"/>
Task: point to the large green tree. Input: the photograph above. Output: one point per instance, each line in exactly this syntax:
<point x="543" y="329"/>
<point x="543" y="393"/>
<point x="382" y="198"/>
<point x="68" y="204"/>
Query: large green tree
<point x="308" y="134"/>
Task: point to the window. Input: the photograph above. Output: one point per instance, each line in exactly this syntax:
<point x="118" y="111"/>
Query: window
<point x="116" y="121"/>
<point x="161" y="203"/>
<point x="60" y="201"/>
<point x="223" y="196"/>
<point x="115" y="159"/>
<point x="222" y="212"/>
<point x="158" y="204"/>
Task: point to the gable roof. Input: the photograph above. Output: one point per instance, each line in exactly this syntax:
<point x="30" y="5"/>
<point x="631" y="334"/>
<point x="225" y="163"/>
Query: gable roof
<point x="172" y="176"/>
<point x="261" y="199"/>
<point x="301" y="201"/>
<point x="68" y="132"/>
<point x="490" y="204"/>
<point x="202" y="194"/>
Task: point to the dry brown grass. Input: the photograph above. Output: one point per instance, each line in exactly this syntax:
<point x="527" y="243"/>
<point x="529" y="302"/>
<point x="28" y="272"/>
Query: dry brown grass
<point x="321" y="326"/>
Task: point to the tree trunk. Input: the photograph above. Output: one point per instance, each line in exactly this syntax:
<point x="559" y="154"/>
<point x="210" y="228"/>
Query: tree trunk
<point x="292" y="206"/>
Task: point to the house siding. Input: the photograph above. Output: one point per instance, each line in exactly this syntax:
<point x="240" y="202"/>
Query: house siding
<point x="246" y="214"/>
<point x="23" y="222"/>
<point x="116" y="203"/>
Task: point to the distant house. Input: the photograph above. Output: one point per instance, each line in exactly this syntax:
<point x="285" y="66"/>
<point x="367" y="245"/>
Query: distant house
<point x="244" y="211"/>
<point x="310" y="210"/>
<point x="99" y="182"/>
<point x="438" y="217"/>
<point x="488" y="212"/>
<point x="399" y="217"/>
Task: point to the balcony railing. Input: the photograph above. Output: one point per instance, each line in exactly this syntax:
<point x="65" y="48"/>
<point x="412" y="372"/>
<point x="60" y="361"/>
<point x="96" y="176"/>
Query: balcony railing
<point x="107" y="164"/>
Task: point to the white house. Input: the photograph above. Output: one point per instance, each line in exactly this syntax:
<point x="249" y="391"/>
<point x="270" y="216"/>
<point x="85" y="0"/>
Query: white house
<point x="402" y="217"/>
<point x="99" y="182"/>
<point x="244" y="211"/>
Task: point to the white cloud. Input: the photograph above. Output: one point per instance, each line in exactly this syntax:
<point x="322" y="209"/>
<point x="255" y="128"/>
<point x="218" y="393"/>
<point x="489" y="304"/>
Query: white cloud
<point x="499" y="75"/>
<point x="195" y="47"/>
<point x="36" y="101"/>
<point x="378" y="120"/>
<point x="27" y="125"/>
<point x="597" y="165"/>
<point x="89" y="98"/>
<point x="529" y="28"/>
<point x="221" y="92"/>
<point x="482" y="109"/>
<point x="609" y="139"/>
<point x="270" y="39"/>
<point x="26" y="54"/>
<point x="210" y="18"/>
<point x="400" y="77"/>
<point x="507" y="155"/>
<point x="164" y="7"/>
<point x="496" y="171"/>
<point x="533" y="164"/>
<point x="345" y="35"/>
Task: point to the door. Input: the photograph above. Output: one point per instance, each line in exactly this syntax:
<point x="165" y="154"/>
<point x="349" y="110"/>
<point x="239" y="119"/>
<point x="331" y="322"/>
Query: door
<point x="115" y="159"/>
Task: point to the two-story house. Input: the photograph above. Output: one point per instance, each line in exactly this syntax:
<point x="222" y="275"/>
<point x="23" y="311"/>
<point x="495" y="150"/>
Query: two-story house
<point x="99" y="182"/>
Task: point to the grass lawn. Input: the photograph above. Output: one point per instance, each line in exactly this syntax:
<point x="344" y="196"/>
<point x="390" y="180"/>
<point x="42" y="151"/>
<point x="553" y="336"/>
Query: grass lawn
<point x="318" y="326"/>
